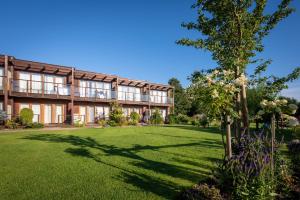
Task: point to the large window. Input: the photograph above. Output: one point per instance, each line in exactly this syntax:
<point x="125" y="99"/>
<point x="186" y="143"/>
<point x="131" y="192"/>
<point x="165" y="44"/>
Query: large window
<point x="32" y="83"/>
<point x="127" y="93"/>
<point x="95" y="89"/>
<point x="157" y="96"/>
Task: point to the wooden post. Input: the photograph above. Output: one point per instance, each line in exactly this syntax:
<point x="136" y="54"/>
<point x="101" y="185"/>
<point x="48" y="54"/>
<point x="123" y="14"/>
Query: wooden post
<point x="5" y="85"/>
<point x="173" y="100"/>
<point x="72" y="97"/>
<point x="228" y="137"/>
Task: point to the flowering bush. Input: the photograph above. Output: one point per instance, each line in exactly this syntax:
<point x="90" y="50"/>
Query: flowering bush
<point x="247" y="174"/>
<point x="156" y="118"/>
<point x="216" y="91"/>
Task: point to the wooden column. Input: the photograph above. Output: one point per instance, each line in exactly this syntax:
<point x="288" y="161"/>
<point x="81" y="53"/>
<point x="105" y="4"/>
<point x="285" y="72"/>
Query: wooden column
<point x="72" y="96"/>
<point x="149" y="97"/>
<point x="5" y="85"/>
<point x="116" y="89"/>
<point x="173" y="100"/>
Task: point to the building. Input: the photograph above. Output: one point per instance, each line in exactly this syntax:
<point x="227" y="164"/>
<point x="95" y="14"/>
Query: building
<point x="59" y="94"/>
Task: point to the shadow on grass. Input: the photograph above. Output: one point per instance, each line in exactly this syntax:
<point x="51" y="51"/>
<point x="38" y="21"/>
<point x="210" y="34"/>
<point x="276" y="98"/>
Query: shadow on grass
<point x="134" y="177"/>
<point x="214" y="130"/>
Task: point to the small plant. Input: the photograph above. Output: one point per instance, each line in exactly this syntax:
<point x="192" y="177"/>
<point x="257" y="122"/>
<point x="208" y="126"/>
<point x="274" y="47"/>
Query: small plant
<point x="102" y="122"/>
<point x="34" y="125"/>
<point x="201" y="192"/>
<point x="11" y="124"/>
<point x="112" y="123"/>
<point x="78" y="123"/>
<point x="156" y="118"/>
<point x="134" y="118"/>
<point x="171" y="119"/>
<point x="26" y="116"/>
<point x="116" y="115"/>
<point x="183" y="119"/>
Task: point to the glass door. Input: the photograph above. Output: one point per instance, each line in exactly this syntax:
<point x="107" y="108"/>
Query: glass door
<point x="49" y="84"/>
<point x="36" y="112"/>
<point x="48" y="114"/>
<point x="59" y="114"/>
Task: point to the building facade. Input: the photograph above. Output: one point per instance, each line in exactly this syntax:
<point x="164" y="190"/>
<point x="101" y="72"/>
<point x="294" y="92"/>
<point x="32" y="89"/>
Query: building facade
<point x="62" y="95"/>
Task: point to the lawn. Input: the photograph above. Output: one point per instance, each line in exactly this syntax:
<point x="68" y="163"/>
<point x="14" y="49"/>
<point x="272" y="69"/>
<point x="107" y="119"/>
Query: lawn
<point x="111" y="163"/>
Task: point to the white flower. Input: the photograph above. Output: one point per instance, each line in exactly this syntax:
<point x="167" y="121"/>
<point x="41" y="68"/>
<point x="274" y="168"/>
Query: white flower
<point x="215" y="72"/>
<point x="242" y="80"/>
<point x="215" y="94"/>
<point x="293" y="108"/>
<point x="263" y="103"/>
<point x="221" y="83"/>
<point x="293" y="121"/>
<point x="284" y="101"/>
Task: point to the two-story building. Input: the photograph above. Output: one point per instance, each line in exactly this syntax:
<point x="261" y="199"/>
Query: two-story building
<point x="59" y="94"/>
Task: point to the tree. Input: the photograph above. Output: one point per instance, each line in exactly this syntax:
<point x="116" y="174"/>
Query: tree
<point x="233" y="30"/>
<point x="182" y="103"/>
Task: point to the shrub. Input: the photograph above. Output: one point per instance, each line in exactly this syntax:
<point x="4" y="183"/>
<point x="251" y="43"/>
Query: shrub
<point x="26" y="116"/>
<point x="134" y="118"/>
<point x="204" y="122"/>
<point x="112" y="123"/>
<point x="156" y="118"/>
<point x="201" y="192"/>
<point x="34" y="125"/>
<point x="183" y="119"/>
<point x="102" y="122"/>
<point x="247" y="174"/>
<point x="116" y="115"/>
<point x="294" y="149"/>
<point x="78" y="123"/>
<point x="11" y="124"/>
<point x="171" y="119"/>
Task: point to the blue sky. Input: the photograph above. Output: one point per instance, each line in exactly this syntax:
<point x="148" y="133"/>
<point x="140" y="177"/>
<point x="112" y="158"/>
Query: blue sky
<point x="130" y="38"/>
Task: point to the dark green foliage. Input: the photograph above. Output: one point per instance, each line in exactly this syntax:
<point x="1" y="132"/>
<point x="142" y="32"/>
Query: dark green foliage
<point x="171" y="119"/>
<point x="294" y="149"/>
<point x="26" y="116"/>
<point x="134" y="118"/>
<point x="156" y="118"/>
<point x="34" y="125"/>
<point x="116" y="116"/>
<point x="183" y="119"/>
<point x="181" y="101"/>
<point x="200" y="192"/>
<point x="247" y="175"/>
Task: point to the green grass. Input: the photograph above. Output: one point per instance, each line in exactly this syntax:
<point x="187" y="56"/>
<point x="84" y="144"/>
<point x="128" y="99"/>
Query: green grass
<point x="112" y="163"/>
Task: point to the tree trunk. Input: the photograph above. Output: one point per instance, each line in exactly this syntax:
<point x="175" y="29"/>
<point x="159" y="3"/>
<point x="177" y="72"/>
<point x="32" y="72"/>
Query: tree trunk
<point x="228" y="137"/>
<point x="272" y="143"/>
<point x="237" y="121"/>
<point x="245" y="116"/>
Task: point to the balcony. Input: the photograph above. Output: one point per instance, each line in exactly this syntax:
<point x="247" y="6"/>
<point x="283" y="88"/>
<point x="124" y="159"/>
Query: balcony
<point x="132" y="98"/>
<point x="94" y="94"/>
<point x="39" y="89"/>
<point x="160" y="100"/>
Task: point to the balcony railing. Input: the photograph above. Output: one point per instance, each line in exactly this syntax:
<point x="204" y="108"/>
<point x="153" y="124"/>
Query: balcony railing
<point x="30" y="87"/>
<point x="94" y="93"/>
<point x="131" y="96"/>
<point x="161" y="99"/>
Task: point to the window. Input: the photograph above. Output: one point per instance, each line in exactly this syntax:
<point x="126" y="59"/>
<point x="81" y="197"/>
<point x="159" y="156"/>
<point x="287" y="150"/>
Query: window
<point x="127" y="93"/>
<point x="102" y="112"/>
<point x="1" y="105"/>
<point x="24" y="82"/>
<point x="36" y="83"/>
<point x="95" y="89"/>
<point x="158" y="96"/>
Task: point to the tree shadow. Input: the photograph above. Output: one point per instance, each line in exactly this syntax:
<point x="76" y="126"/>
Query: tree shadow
<point x="214" y="130"/>
<point x="133" y="177"/>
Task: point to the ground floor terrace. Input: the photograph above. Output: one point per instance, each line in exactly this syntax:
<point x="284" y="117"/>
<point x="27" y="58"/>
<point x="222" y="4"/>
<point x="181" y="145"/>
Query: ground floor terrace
<point x="60" y="111"/>
<point x="112" y="163"/>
